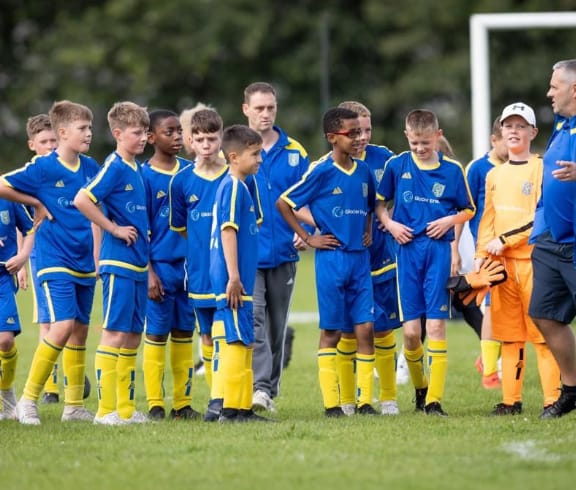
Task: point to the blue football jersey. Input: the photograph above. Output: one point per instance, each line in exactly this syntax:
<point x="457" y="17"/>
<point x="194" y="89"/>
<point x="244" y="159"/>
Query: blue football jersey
<point x="64" y="246"/>
<point x="13" y="216"/>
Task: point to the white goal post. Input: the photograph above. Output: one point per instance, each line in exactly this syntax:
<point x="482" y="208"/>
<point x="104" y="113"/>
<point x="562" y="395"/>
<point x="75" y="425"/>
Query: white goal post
<point x="480" y="26"/>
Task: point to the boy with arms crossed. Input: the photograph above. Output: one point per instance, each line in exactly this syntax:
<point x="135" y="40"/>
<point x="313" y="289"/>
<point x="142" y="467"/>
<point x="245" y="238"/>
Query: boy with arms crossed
<point x="12" y="217"/>
<point x="339" y="191"/>
<point x="65" y="256"/>
<point x="192" y="194"/>
<point x="430" y="197"/>
<point x="233" y="266"/>
<point x="123" y="264"/>
<point x="512" y="192"/>
<point x="383" y="271"/>
<point x="168" y="311"/>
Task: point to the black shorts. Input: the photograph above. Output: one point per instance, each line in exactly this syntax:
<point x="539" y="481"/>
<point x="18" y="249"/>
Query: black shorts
<point x="554" y="287"/>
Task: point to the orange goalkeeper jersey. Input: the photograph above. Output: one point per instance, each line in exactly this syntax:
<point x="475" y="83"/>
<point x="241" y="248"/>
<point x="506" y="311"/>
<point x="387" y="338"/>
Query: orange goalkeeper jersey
<point x="512" y="192"/>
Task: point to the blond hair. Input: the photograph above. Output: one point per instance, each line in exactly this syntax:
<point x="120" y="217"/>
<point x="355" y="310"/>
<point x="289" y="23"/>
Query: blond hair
<point x="355" y="106"/>
<point x="128" y="114"/>
<point x="64" y="112"/>
<point x="421" y="120"/>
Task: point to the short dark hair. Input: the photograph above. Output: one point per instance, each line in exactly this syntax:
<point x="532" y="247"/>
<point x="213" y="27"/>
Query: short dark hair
<point x="237" y="138"/>
<point x="255" y="87"/>
<point x="334" y="117"/>
<point x="159" y="115"/>
<point x="206" y="121"/>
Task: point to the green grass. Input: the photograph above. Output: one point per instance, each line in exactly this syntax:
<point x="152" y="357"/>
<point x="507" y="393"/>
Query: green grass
<point x="470" y="450"/>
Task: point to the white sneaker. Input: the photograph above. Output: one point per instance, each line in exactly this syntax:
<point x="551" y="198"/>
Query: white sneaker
<point x="8" y="399"/>
<point x="71" y="413"/>
<point x="262" y="401"/>
<point x="402" y="373"/>
<point x="27" y="411"/>
<point x="349" y="409"/>
<point x="137" y="418"/>
<point x="109" y="419"/>
<point x="389" y="407"/>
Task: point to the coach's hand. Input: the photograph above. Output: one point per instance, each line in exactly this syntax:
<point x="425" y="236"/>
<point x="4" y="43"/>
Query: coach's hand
<point x="566" y="172"/>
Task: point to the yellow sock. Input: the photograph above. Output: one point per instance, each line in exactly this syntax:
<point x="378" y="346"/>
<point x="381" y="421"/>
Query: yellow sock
<point x="234" y="375"/>
<point x="248" y="381"/>
<point x="365" y="372"/>
<point x="490" y="350"/>
<point x="207" y="354"/>
<point x="153" y="366"/>
<point x="42" y="364"/>
<point x="346" y="368"/>
<point x="51" y="385"/>
<point x="438" y="361"/>
<point x="8" y="362"/>
<point x="126" y="382"/>
<point x="182" y="364"/>
<point x="328" y="377"/>
<point x="415" y="363"/>
<point x="105" y="364"/>
<point x="219" y="341"/>
<point x="74" y="369"/>
<point x="549" y="373"/>
<point x="385" y="363"/>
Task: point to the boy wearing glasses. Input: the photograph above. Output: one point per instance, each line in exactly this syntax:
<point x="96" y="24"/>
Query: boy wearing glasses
<point x="339" y="192"/>
<point x="430" y="196"/>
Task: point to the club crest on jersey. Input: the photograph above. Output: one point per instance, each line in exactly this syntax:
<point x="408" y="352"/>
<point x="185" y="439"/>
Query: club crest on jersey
<point x="378" y="174"/>
<point x="438" y="189"/>
<point x="293" y="159"/>
<point x="527" y="188"/>
<point x="364" y="189"/>
<point x="5" y="217"/>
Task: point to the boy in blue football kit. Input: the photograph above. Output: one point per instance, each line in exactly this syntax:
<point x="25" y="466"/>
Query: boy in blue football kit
<point x="339" y="191"/>
<point x="168" y="310"/>
<point x="383" y="271"/>
<point x="12" y="217"/>
<point x="123" y="264"/>
<point x="191" y="198"/>
<point x="430" y="196"/>
<point x="65" y="261"/>
<point x="233" y="264"/>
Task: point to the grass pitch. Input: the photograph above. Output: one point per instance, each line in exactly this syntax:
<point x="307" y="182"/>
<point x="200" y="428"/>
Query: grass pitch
<point x="469" y="450"/>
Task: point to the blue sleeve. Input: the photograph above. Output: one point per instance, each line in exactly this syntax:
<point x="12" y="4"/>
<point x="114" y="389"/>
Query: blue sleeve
<point x="27" y="179"/>
<point x="309" y="186"/>
<point x="387" y="185"/>
<point x="177" y="202"/>
<point x="24" y="221"/>
<point x="105" y="182"/>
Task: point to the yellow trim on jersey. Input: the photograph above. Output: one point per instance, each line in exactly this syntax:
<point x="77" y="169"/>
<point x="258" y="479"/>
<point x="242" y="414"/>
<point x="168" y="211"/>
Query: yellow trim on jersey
<point x="178" y="230"/>
<point x="91" y="196"/>
<point x="124" y="265"/>
<point x="229" y="224"/>
<point x="50" y="270"/>
<point x="174" y="171"/>
<point x="223" y="296"/>
<point x="382" y="270"/>
<point x="210" y="178"/>
<point x="286" y="199"/>
<point x="295" y="145"/>
<point x="201" y="295"/>
<point x="423" y="166"/>
<point x="233" y="201"/>
<point x="73" y="168"/>
<point x="572" y="131"/>
<point x="343" y="170"/>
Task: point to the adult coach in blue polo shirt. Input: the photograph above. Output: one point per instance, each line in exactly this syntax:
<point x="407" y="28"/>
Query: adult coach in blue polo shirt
<point x="284" y="161"/>
<point x="553" y="301"/>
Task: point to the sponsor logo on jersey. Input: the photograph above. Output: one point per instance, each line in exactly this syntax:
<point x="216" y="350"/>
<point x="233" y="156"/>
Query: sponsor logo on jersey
<point x="132" y="207"/>
<point x="164" y="211"/>
<point x="128" y="187"/>
<point x="293" y="159"/>
<point x="5" y="217"/>
<point x="438" y="189"/>
<point x="336" y="191"/>
<point x="408" y="196"/>
<point x="160" y="194"/>
<point x="60" y="183"/>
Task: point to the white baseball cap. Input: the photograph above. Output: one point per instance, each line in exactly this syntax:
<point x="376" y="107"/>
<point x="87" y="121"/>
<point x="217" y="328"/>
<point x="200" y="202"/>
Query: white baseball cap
<point x="519" y="109"/>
